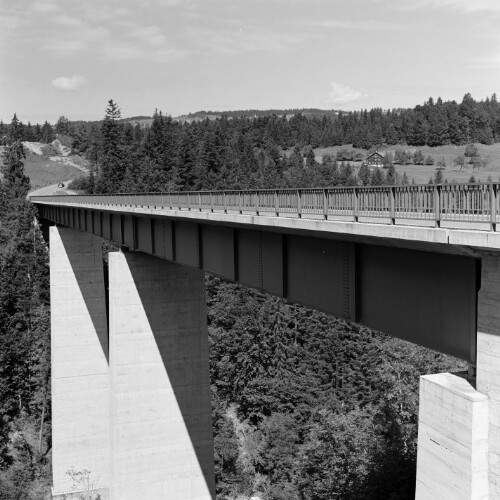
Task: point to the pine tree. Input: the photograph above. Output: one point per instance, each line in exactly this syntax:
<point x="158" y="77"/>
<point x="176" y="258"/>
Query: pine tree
<point x="390" y="177"/>
<point x="47" y="133"/>
<point x="377" y="179"/>
<point x="438" y="176"/>
<point x="110" y="155"/>
<point x="17" y="184"/>
<point x="364" y="174"/>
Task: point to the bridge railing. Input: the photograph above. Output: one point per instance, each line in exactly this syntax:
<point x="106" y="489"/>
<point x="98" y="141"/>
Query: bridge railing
<point x="463" y="203"/>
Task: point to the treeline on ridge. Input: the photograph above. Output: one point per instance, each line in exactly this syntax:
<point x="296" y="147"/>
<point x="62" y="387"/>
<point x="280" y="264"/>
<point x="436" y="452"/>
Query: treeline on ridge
<point x="433" y="123"/>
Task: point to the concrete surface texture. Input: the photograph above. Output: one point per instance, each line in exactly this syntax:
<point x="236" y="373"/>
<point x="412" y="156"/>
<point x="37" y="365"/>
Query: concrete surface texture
<point x="488" y="359"/>
<point x="79" y="349"/>
<point x="162" y="443"/>
<point x="452" y="456"/>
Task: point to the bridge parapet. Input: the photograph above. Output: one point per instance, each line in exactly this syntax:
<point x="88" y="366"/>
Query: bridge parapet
<point x="446" y="205"/>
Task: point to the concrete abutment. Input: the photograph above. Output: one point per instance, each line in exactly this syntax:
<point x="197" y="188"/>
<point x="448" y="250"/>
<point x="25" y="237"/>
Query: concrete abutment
<point x="452" y="453"/>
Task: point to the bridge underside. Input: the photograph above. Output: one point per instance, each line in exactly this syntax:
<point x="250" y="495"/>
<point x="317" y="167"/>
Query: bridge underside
<point x="401" y="291"/>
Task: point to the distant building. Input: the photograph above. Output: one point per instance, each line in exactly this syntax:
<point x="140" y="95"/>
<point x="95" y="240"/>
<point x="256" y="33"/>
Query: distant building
<point x="375" y="160"/>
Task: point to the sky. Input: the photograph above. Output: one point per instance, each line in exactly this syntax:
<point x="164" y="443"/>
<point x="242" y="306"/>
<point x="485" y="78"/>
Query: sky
<point x="69" y="57"/>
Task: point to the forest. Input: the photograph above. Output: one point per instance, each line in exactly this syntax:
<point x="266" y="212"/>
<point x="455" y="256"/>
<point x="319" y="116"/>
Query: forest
<point x="305" y="406"/>
<point x="24" y="335"/>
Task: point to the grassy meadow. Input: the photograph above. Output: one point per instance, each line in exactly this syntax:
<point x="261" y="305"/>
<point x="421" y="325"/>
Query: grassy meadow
<point x="44" y="172"/>
<point x="422" y="173"/>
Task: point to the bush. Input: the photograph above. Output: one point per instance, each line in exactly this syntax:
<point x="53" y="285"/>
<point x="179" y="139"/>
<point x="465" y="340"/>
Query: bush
<point x="418" y="158"/>
<point x="65" y="140"/>
<point x="49" y="150"/>
<point x="471" y="151"/>
<point x="80" y="184"/>
<point x="478" y="162"/>
<point x="459" y="161"/>
<point x="345" y="155"/>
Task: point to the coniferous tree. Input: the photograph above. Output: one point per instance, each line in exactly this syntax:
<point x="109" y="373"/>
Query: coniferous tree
<point x="110" y="157"/>
<point x="377" y="179"/>
<point x="364" y="175"/>
<point x="438" y="176"/>
<point x="17" y="184"/>
<point x="47" y="133"/>
<point x="391" y="177"/>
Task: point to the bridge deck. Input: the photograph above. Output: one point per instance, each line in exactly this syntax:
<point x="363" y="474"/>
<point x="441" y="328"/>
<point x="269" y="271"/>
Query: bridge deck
<point x="456" y="214"/>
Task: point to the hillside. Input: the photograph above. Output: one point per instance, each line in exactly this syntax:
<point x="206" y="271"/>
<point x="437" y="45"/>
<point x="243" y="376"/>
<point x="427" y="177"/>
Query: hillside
<point x="422" y="173"/>
<point x="145" y="121"/>
<point x="50" y="164"/>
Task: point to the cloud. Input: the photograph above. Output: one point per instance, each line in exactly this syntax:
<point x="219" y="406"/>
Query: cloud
<point x="342" y="94"/>
<point x="122" y="11"/>
<point x="464" y="6"/>
<point x="148" y="35"/>
<point x="44" y="7"/>
<point x="243" y="40"/>
<point x="63" y="41"/>
<point x="357" y="25"/>
<point x="69" y="83"/>
<point x="486" y="62"/>
<point x="65" y="20"/>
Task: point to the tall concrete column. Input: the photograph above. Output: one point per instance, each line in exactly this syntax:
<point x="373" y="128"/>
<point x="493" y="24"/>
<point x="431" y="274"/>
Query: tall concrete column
<point x="161" y="411"/>
<point x="80" y="371"/>
<point x="452" y="453"/>
<point x="488" y="359"/>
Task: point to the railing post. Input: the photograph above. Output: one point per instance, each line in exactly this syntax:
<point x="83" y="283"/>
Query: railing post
<point x="299" y="203"/>
<point x="239" y="202"/>
<point x="325" y="204"/>
<point x="211" y="202"/>
<point x="392" y="199"/>
<point x="224" y="201"/>
<point x="356" y="205"/>
<point x="437" y="205"/>
<point x="276" y="203"/>
<point x="493" y="208"/>
<point x="199" y="202"/>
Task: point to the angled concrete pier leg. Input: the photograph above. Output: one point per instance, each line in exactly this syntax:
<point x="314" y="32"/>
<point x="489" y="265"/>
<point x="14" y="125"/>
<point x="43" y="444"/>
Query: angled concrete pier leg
<point x="80" y="372"/>
<point x="488" y="359"/>
<point x="161" y="411"/>
<point x="452" y="454"/>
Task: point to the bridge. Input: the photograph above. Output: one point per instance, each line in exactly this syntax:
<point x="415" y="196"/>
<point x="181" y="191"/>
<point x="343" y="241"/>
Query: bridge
<point x="130" y="384"/>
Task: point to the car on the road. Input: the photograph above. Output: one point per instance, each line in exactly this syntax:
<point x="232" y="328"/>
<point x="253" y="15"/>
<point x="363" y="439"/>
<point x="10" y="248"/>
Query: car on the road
<point x="60" y="185"/>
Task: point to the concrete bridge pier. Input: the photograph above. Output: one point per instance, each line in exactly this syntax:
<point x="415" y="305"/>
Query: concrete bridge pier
<point x="80" y="374"/>
<point x="162" y="441"/>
